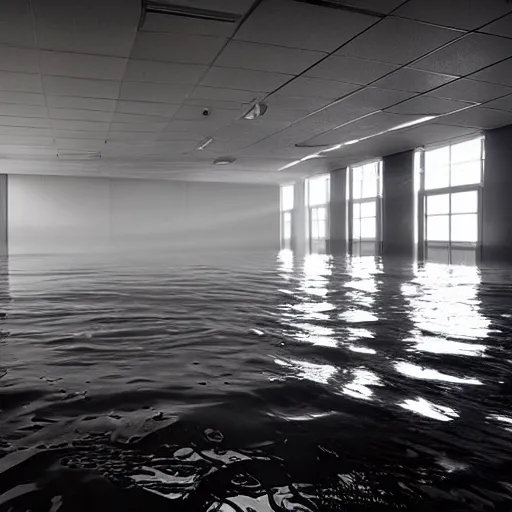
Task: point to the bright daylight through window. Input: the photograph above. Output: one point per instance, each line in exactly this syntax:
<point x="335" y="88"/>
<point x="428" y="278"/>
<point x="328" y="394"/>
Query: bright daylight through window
<point x="317" y="201"/>
<point x="287" y="193"/>
<point x="452" y="178"/>
<point x="365" y="192"/>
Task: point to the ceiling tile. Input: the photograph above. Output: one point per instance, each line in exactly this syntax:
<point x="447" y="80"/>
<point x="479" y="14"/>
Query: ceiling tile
<point x="29" y="141"/>
<point x="113" y="23"/>
<point x="138" y="127"/>
<point x="194" y="113"/>
<point x="428" y="106"/>
<point x="501" y="27"/>
<point x="299" y="25"/>
<point x="25" y="131"/>
<point x="464" y="14"/>
<point x="262" y="57"/>
<point x="162" y="72"/>
<point x="413" y="80"/>
<point x="501" y="103"/>
<point x="229" y="6"/>
<point x="178" y="136"/>
<point x="20" y="82"/>
<point x="181" y="48"/>
<point x="80" y="115"/>
<point x="22" y="98"/>
<point x="146" y="108"/>
<point x="64" y="86"/>
<point x="78" y="65"/>
<point x="467" y="55"/>
<point x="347" y="69"/>
<point x="79" y="134"/>
<point x="133" y="136"/>
<point x="11" y="109"/>
<point x="471" y="90"/>
<point x="499" y="73"/>
<point x="479" y="117"/>
<point x="372" y="98"/>
<point x="222" y="94"/>
<point x="77" y="102"/>
<point x="155" y="22"/>
<point x="80" y="144"/>
<point x="22" y="60"/>
<point x="192" y="128"/>
<point x="398" y="41"/>
<point x="247" y="80"/>
<point x="64" y="124"/>
<point x="309" y="104"/>
<point x="158" y="93"/>
<point x="212" y="104"/>
<point x="120" y="117"/>
<point x="382" y="6"/>
<point x="317" y="88"/>
<point x="16" y="23"/>
<point x="29" y="122"/>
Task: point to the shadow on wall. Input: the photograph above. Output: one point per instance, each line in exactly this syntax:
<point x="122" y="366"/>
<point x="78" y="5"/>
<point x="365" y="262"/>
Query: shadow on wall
<point x="50" y="214"/>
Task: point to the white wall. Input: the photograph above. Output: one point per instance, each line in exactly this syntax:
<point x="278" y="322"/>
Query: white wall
<point x="52" y="214"/>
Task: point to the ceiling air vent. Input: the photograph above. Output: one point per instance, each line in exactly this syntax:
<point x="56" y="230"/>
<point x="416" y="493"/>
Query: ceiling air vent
<point x="176" y="9"/>
<point x="78" y="155"/>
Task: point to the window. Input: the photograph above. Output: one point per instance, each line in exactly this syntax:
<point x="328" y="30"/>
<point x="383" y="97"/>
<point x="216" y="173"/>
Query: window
<point x="317" y="202"/>
<point x="287" y="196"/>
<point x="365" y="192"/>
<point x="451" y="180"/>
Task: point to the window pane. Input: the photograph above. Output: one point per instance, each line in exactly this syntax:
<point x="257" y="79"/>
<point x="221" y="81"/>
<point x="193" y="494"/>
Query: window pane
<point x="370" y="188"/>
<point x="370" y="172"/>
<point x="437" y="158"/>
<point x="437" y="177"/>
<point x="437" y="228"/>
<point x="321" y="229"/>
<point x="465" y="202"/>
<point x="321" y="213"/>
<point x="356" y="211"/>
<point x="466" y="174"/>
<point x="287" y="197"/>
<point x="369" y="209"/>
<point x="438" y="204"/>
<point x="357" y="174"/>
<point x="314" y="214"/>
<point x="467" y="151"/>
<point x="368" y="228"/>
<point x="318" y="190"/>
<point x="465" y="228"/>
<point x="314" y="230"/>
<point x="356" y="227"/>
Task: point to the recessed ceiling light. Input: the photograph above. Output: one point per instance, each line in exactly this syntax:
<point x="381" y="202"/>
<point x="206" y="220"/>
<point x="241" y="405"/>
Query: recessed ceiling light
<point x="224" y="160"/>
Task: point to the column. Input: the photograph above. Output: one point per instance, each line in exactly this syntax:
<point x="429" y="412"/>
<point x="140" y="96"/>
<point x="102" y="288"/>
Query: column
<point x="338" y="212"/>
<point x="299" y="244"/>
<point x="497" y="197"/>
<point x="398" y="205"/>
<point x="3" y="215"/>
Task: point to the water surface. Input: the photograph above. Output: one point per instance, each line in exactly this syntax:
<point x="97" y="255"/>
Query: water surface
<point x="253" y="383"/>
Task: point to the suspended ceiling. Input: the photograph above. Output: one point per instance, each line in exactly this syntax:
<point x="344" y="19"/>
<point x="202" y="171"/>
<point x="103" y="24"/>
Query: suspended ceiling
<point x="102" y="88"/>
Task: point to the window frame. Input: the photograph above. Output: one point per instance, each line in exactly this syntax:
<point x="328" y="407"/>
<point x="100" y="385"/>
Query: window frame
<point x="316" y="242"/>
<point x="286" y="217"/>
<point x="423" y="194"/>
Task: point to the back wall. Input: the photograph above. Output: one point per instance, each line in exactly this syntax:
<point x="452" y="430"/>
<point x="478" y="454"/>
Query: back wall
<point x="54" y="214"/>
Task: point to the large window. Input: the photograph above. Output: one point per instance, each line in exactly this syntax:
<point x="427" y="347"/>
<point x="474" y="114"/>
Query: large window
<point x="287" y="193"/>
<point x="317" y="202"/>
<point x="365" y="208"/>
<point x="451" y="180"/>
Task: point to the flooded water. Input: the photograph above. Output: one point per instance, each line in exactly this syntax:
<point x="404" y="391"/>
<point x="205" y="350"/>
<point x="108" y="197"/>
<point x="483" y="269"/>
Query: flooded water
<point x="235" y="383"/>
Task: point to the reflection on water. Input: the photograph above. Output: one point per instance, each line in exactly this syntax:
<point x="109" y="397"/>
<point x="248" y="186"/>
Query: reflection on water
<point x="250" y="384"/>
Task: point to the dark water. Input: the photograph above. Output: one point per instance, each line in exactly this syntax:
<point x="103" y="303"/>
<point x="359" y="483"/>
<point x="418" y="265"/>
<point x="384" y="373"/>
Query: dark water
<point x="232" y="383"/>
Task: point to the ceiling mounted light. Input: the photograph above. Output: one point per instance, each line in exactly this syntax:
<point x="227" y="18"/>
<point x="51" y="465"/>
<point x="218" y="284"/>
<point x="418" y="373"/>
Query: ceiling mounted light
<point x="255" y="110"/>
<point x="205" y="142"/>
<point x="224" y="160"/>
